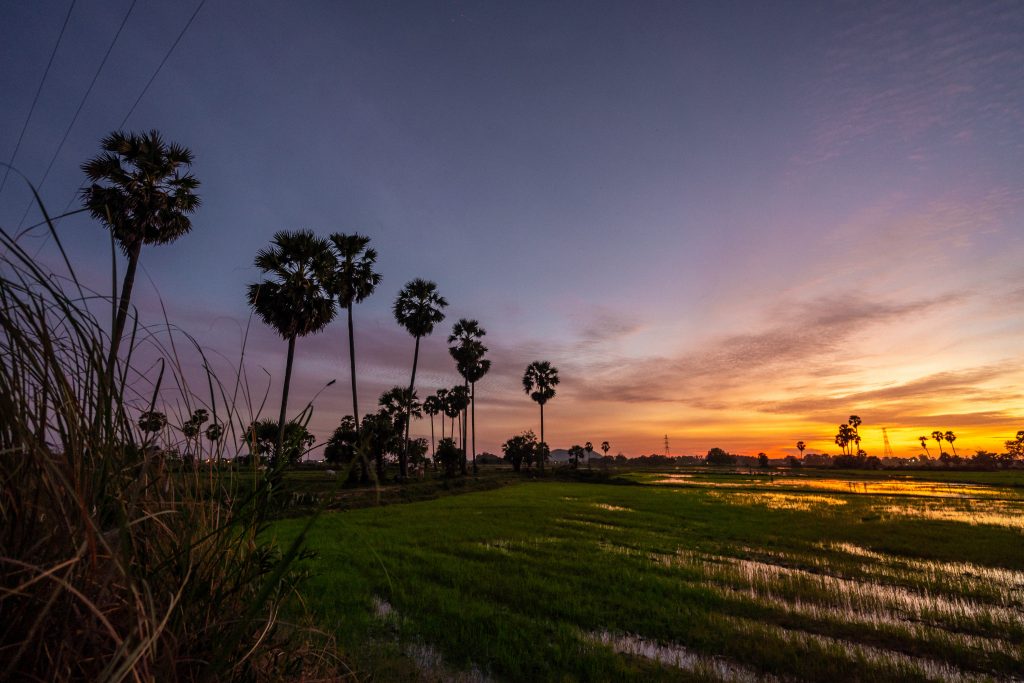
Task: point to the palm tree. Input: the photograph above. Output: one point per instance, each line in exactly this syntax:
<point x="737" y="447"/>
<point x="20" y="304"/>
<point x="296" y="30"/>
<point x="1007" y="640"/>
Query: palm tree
<point x="950" y="437"/>
<point x="442" y="397"/>
<point x="432" y="405"/>
<point x="456" y="402"/>
<point x="589" y="448"/>
<point x="353" y="280"/>
<point x="938" y="436"/>
<point x="605" y="446"/>
<point x="924" y="444"/>
<point x="468" y="352"/>
<point x="294" y="300"/>
<point x="800" y="446"/>
<point x="142" y="192"/>
<point x="539" y="381"/>
<point x="854" y="423"/>
<point x="417" y="308"/>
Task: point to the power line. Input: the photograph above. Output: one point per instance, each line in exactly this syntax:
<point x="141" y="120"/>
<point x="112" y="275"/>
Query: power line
<point x="35" y="100"/>
<point x="81" y="105"/>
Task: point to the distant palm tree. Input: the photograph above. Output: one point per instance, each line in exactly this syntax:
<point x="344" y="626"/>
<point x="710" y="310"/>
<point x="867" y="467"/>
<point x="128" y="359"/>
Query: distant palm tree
<point x="145" y="198"/>
<point x="294" y="300"/>
<point x="432" y="405"/>
<point x="605" y="446"/>
<point x="468" y="352"/>
<point x="924" y="444"/>
<point x="938" y="436"/>
<point x="589" y="448"/>
<point x="456" y="402"/>
<point x="539" y="382"/>
<point x="352" y="282"/>
<point x="855" y="423"/>
<point x="442" y="397"/>
<point x="417" y="308"/>
<point x="800" y="446"/>
<point x="401" y="405"/>
<point x="950" y="437"/>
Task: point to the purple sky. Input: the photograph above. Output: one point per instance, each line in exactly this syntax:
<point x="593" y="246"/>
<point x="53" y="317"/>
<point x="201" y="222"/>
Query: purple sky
<point x="732" y="223"/>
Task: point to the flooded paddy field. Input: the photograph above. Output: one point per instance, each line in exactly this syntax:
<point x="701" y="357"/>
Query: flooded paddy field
<point x="694" y="577"/>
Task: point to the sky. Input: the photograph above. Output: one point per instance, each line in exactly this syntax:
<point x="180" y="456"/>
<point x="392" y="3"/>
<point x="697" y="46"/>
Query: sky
<point x="733" y="224"/>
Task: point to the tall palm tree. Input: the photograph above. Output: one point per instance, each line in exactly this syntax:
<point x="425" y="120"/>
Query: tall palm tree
<point x="605" y="446"/>
<point x="539" y="382"/>
<point x="950" y="437"/>
<point x="417" y="308"/>
<point x="589" y="448"/>
<point x="924" y="444"/>
<point x="142" y="192"/>
<point x="432" y="405"/>
<point x="456" y="401"/>
<point x="855" y="423"/>
<point x="468" y="352"/>
<point x="442" y="397"/>
<point x="353" y="280"/>
<point x="294" y="300"/>
<point x="938" y="436"/>
<point x="800" y="446"/>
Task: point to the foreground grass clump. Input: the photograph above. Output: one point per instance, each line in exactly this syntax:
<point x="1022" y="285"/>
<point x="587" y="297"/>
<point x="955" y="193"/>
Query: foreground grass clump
<point x="570" y="581"/>
<point x="114" y="563"/>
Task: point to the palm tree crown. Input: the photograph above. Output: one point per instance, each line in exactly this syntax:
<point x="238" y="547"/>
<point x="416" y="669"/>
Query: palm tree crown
<point x="144" y="197"/>
<point x="354" y="278"/>
<point x="295" y="299"/>
<point x="539" y="381"/>
<point x="419" y="307"/>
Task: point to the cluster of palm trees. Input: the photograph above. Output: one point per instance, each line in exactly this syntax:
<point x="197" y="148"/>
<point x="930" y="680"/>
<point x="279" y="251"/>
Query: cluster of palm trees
<point x="848" y="437"/>
<point x="141" y="189"/>
<point x="939" y="437"/>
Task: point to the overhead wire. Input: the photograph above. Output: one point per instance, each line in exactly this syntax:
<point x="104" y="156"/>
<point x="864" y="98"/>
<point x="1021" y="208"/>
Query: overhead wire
<point x="35" y="99"/>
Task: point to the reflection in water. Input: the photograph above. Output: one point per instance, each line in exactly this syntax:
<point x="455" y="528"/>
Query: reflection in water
<point x="613" y="508"/>
<point x="676" y="655"/>
<point x="888" y="487"/>
<point x="778" y="501"/>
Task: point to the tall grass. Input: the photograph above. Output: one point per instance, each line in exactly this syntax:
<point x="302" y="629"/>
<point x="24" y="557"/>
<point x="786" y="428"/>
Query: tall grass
<point x="117" y="562"/>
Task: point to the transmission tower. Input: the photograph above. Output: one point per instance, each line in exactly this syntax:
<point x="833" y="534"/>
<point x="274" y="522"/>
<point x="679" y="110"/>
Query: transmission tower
<point x="666" y="446"/>
<point x="888" y="447"/>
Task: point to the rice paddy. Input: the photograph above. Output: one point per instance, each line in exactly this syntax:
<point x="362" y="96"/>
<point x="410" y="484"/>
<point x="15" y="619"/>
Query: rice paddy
<point x="736" y="577"/>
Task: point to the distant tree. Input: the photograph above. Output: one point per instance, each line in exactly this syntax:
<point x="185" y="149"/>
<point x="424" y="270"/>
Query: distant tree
<point x="468" y="352"/>
<point x="417" y="449"/>
<point x="950" y="437"/>
<point x="353" y="280"/>
<point x="417" y="308"/>
<point x="762" y="460"/>
<point x="519" y="449"/>
<point x="605" y="446"/>
<point x="214" y="432"/>
<point x="539" y="382"/>
<point x="152" y="421"/>
<point x="342" y="449"/>
<point x="924" y="443"/>
<point x="432" y="405"/>
<point x="800" y="446"/>
<point x="294" y="300"/>
<point x="141" y="190"/>
<point x="1015" y="447"/>
<point x="938" y="436"/>
<point x="378" y="434"/>
<point x="456" y="402"/>
<point x="442" y="397"/>
<point x="793" y="462"/>
<point x="717" y="456"/>
<point x="845" y="438"/>
<point x="576" y="453"/>
<point x="541" y="454"/>
<point x="449" y="456"/>
<point x="589" y="448"/>
<point x="262" y="439"/>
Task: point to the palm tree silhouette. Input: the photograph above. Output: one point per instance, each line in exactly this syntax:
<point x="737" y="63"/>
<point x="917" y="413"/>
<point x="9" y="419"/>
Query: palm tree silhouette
<point x="401" y="405"/>
<point x="352" y="282"/>
<point x="442" y="397"/>
<point x="800" y="446"/>
<point x="456" y="401"/>
<point x="139" y="192"/>
<point x="468" y="352"/>
<point x="294" y="300"/>
<point x="417" y="308"/>
<point x="924" y="444"/>
<point x="539" y="383"/>
<point x="938" y="436"/>
<point x="589" y="448"/>
<point x="950" y="437"/>
<point x="605" y="446"/>
<point x="432" y="405"/>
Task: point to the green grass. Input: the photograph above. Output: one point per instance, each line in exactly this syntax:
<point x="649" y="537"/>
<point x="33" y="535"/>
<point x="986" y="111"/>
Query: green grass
<point x="572" y="581"/>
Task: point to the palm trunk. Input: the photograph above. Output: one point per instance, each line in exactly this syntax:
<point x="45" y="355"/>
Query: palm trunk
<point x="122" y="311"/>
<point x="403" y="454"/>
<point x="541" y="459"/>
<point x="352" y="366"/>
<point x="472" y="403"/>
<point x="284" y="398"/>
<point x="433" y="451"/>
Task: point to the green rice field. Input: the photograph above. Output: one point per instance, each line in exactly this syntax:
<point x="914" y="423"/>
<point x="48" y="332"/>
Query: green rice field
<point x="680" y="576"/>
